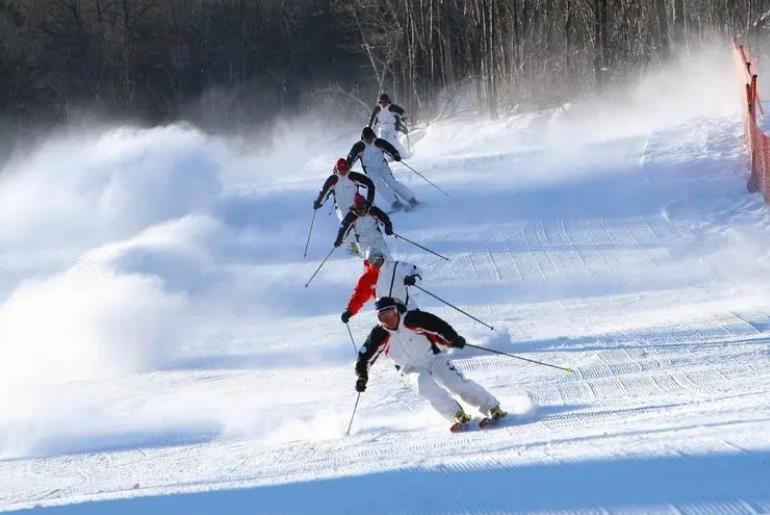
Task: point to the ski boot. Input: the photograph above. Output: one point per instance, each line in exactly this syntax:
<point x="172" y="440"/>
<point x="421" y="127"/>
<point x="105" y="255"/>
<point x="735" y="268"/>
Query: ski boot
<point x="494" y="415"/>
<point x="396" y="206"/>
<point x="462" y="420"/>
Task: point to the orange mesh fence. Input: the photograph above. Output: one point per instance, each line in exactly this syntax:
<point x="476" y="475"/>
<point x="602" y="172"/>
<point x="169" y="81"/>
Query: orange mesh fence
<point x="757" y="143"/>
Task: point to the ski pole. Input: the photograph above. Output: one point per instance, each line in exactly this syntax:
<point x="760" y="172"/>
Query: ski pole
<point x="518" y="357"/>
<point x="312" y="221"/>
<point x="420" y="246"/>
<point x="319" y="266"/>
<point x="455" y="307"/>
<point x="352" y="340"/>
<point x="358" y="397"/>
<point x="424" y="178"/>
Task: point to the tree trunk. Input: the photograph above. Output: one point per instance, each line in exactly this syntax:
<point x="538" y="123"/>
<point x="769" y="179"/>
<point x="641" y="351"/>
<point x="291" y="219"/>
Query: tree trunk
<point x="660" y="12"/>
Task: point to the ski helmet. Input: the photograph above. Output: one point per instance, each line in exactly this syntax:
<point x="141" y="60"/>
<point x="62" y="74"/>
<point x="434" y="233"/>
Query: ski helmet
<point x="359" y="202"/>
<point x="385" y="303"/>
<point x="375" y="256"/>
<point x="367" y="133"/>
<point x="384" y="99"/>
<point x="342" y="166"/>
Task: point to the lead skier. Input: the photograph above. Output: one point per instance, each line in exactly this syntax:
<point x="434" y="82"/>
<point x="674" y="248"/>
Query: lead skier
<point x="413" y="341"/>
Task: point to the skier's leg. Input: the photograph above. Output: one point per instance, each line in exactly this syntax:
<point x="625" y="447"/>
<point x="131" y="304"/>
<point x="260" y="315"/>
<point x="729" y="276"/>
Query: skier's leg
<point x="397" y="186"/>
<point x="378" y="242"/>
<point x="369" y="236"/>
<point x="469" y="391"/>
<point x="423" y="383"/>
<point x="381" y="187"/>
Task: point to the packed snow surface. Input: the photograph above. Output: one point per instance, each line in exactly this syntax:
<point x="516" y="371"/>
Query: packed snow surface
<point x="159" y="352"/>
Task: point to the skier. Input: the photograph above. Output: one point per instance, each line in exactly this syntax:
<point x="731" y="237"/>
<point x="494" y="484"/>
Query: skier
<point x="382" y="277"/>
<point x="387" y="119"/>
<point x="364" y="220"/>
<point x="370" y="150"/>
<point x="344" y="184"/>
<point x="412" y="340"/>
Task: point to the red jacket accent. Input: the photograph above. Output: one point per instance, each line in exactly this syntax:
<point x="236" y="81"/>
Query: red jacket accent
<point x="364" y="288"/>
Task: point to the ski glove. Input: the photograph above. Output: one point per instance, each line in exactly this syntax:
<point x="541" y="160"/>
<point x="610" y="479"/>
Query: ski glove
<point x="458" y="342"/>
<point x="346" y="316"/>
<point x="317" y="204"/>
<point x="397" y="157"/>
<point x="337" y="243"/>
<point x="388" y="231"/>
<point x="361" y="384"/>
<point x="409" y="280"/>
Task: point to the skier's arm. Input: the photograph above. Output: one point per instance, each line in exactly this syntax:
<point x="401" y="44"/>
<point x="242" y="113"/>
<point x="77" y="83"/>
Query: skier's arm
<point x="355" y="152"/>
<point x="363" y="180"/>
<point x="362" y="291"/>
<point x="369" y="351"/>
<point x="430" y="323"/>
<point x="395" y="108"/>
<point x="388" y="148"/>
<point x="373" y="117"/>
<point x="383" y="217"/>
<point x="325" y="190"/>
<point x="344" y="227"/>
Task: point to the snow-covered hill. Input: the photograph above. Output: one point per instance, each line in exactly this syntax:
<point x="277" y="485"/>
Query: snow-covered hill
<point x="159" y="352"/>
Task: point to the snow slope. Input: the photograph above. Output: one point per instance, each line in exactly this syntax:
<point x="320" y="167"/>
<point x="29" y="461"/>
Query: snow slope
<point x="162" y="355"/>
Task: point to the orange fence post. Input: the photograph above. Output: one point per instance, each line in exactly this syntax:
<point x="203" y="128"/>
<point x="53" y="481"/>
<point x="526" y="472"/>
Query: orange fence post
<point x="757" y="143"/>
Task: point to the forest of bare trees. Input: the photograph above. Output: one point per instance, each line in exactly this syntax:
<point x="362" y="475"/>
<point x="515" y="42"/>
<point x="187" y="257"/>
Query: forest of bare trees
<point x="245" y="61"/>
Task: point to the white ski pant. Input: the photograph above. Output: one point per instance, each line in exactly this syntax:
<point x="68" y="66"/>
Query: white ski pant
<point x="388" y="186"/>
<point x="372" y="239"/>
<point x="439" y="375"/>
<point x="388" y="133"/>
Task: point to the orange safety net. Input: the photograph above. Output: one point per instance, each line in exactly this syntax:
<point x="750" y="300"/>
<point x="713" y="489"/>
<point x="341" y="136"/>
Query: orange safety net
<point x="757" y="143"/>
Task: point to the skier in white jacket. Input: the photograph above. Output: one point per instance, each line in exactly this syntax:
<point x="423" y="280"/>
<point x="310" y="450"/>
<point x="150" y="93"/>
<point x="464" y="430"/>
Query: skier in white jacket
<point x="382" y="278"/>
<point x="370" y="150"/>
<point x="412" y="340"/>
<point x="386" y="120"/>
<point x="364" y="220"/>
<point x="343" y="185"/>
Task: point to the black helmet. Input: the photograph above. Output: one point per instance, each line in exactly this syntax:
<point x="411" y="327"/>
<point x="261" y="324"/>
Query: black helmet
<point x="384" y="98"/>
<point x="367" y="133"/>
<point x="387" y="303"/>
